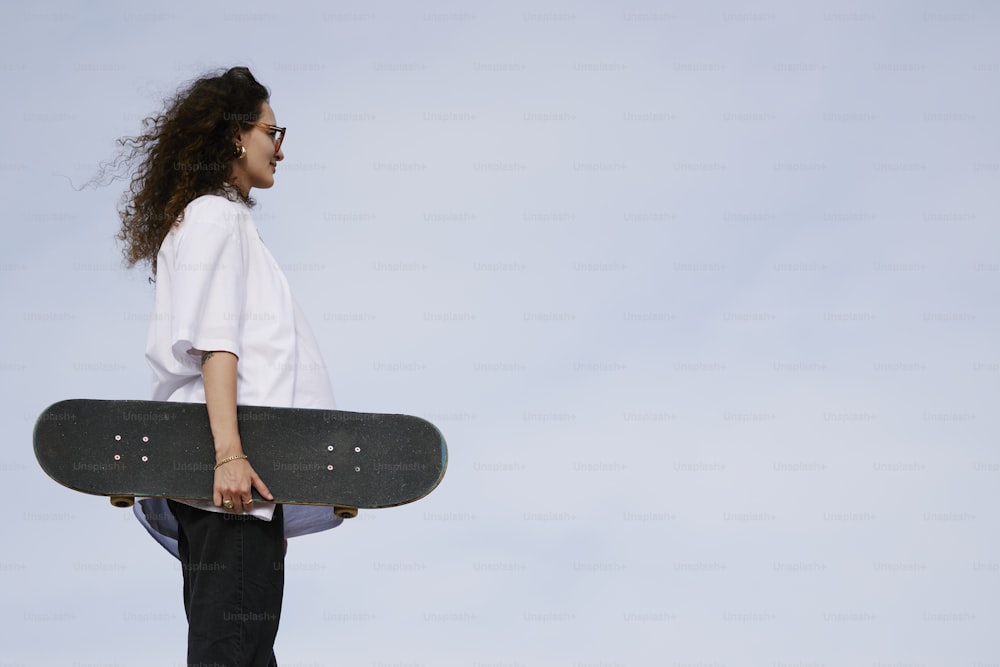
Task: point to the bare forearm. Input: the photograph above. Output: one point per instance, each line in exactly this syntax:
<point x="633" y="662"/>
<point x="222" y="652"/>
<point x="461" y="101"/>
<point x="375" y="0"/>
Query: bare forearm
<point x="219" y="372"/>
<point x="235" y="478"/>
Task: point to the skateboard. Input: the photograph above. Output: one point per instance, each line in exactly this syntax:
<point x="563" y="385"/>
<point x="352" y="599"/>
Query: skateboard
<point x="130" y="449"/>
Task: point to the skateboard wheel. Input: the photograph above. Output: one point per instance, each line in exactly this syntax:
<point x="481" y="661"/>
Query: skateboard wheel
<point x="122" y="501"/>
<point x="345" y="512"/>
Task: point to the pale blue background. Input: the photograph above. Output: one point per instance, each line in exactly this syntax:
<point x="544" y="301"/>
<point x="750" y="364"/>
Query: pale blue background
<point x="703" y="296"/>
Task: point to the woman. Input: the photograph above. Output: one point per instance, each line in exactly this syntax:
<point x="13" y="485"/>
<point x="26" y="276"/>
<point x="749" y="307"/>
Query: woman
<point x="225" y="330"/>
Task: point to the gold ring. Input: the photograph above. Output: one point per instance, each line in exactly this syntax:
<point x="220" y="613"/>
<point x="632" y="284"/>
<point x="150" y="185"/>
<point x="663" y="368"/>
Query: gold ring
<point x="228" y="504"/>
<point x="248" y="502"/>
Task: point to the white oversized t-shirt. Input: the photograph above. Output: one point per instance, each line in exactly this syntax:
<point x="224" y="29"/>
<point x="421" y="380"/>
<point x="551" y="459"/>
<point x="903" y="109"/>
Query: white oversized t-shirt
<point x="219" y="288"/>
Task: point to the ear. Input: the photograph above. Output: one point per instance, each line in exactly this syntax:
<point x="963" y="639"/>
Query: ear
<point x="239" y="136"/>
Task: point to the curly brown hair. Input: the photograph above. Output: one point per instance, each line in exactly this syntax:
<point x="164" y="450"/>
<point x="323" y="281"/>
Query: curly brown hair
<point x="184" y="152"/>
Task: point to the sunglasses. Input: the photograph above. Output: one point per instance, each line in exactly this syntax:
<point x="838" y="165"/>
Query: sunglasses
<point x="277" y="133"/>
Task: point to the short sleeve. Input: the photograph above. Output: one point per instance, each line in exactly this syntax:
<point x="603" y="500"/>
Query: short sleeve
<point x="208" y="290"/>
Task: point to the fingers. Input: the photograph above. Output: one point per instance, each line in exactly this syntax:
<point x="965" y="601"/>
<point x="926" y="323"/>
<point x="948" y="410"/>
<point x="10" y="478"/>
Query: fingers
<point x="261" y="487"/>
<point x="234" y="492"/>
<point x="236" y="502"/>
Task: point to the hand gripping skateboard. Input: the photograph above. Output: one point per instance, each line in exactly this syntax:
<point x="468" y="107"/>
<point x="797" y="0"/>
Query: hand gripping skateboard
<point x="130" y="449"/>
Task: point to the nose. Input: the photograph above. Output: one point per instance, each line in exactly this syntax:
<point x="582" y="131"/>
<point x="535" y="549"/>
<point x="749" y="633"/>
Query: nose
<point x="280" y="155"/>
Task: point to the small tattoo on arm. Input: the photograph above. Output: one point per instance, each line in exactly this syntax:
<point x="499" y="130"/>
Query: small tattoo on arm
<point x="205" y="357"/>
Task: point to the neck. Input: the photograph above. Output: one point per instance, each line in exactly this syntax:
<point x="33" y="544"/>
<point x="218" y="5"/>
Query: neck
<point x="235" y="183"/>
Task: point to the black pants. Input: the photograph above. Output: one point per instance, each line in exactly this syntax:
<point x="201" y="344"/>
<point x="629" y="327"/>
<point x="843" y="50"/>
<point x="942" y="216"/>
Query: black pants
<point x="234" y="577"/>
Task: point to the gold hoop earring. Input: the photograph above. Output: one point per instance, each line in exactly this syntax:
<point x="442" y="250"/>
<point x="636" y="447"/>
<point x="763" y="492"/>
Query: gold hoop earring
<point x="240" y="152"/>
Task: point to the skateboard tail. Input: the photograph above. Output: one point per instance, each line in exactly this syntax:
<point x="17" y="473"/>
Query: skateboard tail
<point x="48" y="440"/>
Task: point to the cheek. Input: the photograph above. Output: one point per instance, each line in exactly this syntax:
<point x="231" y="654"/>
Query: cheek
<point x="264" y="157"/>
<point x="262" y="151"/>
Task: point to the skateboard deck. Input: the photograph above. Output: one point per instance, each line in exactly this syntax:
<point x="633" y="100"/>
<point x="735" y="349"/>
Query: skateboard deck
<point x="130" y="449"/>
